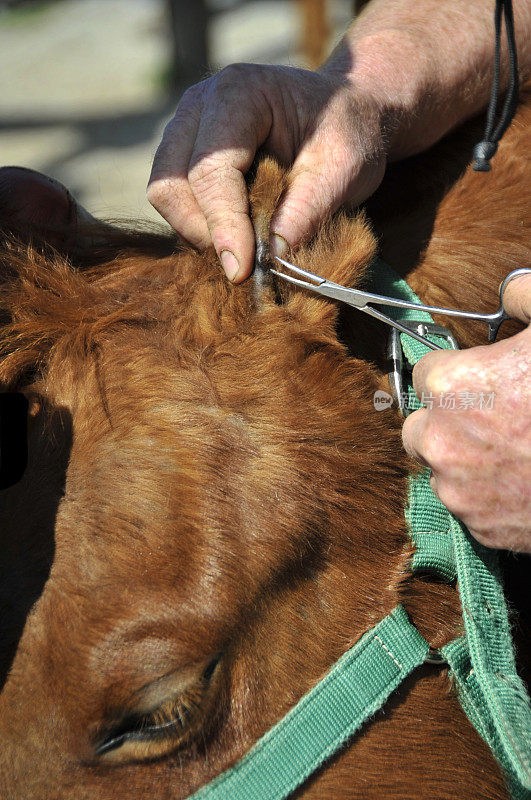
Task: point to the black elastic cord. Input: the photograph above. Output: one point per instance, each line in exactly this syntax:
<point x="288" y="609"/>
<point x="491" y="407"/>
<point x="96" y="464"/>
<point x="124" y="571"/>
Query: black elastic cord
<point x="485" y="149"/>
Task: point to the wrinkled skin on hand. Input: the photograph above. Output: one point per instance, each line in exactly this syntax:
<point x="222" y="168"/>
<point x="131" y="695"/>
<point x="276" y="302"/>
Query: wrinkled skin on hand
<point x="481" y="458"/>
<point x="313" y="120"/>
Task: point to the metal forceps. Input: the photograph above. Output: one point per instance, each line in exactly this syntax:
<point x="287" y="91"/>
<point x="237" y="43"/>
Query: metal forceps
<point x="363" y="302"/>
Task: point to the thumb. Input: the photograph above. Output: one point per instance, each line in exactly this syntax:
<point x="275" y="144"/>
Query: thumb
<point x="517" y="298"/>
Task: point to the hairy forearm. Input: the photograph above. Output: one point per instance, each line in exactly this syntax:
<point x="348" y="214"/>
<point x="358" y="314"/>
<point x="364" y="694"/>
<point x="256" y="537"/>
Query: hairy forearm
<point x="428" y="64"/>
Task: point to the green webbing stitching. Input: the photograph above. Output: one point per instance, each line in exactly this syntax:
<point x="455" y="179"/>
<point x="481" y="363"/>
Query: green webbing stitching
<point x="490" y="688"/>
<point x="458" y="656"/>
<point x="429" y="527"/>
<point x="327" y="716"/>
<point x="491" y="692"/>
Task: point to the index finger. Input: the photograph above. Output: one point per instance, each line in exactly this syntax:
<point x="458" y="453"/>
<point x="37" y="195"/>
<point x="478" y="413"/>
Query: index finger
<point x="229" y="134"/>
<point x="168" y="189"/>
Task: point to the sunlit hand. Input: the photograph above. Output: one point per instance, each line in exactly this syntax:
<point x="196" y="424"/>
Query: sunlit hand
<point x="481" y="458"/>
<point x="315" y="120"/>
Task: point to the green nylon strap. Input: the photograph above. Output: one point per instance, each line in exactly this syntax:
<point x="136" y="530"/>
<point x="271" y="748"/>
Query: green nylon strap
<point x="429" y="528"/>
<point x="327" y="716"/>
<point x="491" y="692"/>
<point x="428" y="520"/>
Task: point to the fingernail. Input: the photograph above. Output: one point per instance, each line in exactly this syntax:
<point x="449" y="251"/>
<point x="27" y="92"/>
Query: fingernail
<point x="279" y="246"/>
<point x="230" y="264"/>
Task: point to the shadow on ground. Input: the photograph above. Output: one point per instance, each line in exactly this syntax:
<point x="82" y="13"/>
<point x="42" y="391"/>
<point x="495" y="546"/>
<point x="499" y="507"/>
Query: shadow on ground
<point x="95" y="132"/>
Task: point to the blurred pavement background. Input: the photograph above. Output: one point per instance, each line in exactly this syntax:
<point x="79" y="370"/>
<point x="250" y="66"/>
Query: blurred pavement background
<point x="86" y="89"/>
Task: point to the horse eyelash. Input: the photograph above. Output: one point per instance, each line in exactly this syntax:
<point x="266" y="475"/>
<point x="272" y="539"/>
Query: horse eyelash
<point x="172" y="717"/>
<point x="171" y="720"/>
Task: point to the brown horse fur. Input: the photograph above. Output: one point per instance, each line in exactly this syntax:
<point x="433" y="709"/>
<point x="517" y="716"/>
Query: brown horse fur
<point x="212" y="511"/>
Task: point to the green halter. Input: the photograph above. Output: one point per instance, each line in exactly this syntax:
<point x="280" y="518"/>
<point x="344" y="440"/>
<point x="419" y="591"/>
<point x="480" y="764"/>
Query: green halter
<point x="482" y="660"/>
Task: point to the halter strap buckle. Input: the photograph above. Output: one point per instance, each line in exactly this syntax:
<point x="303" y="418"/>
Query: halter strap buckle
<point x="399" y="363"/>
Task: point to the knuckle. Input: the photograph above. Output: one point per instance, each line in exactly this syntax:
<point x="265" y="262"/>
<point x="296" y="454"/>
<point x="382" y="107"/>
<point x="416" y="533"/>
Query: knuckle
<point x="219" y="189"/>
<point x="162" y="191"/>
<point x="430" y="384"/>
<point x="486" y="536"/>
<point x="191" y="94"/>
<point x="517" y="298"/>
<point x="479" y="525"/>
<point x="156" y="193"/>
<point x="426" y="443"/>
<point x="223" y="223"/>
<point x="305" y="204"/>
<point x="437" y="377"/>
<point x="205" y="171"/>
<point x="173" y="125"/>
<point x="410" y="435"/>
<point x="208" y="181"/>
<point x="467" y="501"/>
<point x="225" y="90"/>
<point x="169" y="131"/>
<point x="450" y="498"/>
<point x="236" y="72"/>
<point x="429" y="452"/>
<point x="299" y="212"/>
<point x="437" y="448"/>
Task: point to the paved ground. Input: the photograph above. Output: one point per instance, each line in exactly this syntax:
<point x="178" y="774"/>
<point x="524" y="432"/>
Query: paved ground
<point x="83" y="95"/>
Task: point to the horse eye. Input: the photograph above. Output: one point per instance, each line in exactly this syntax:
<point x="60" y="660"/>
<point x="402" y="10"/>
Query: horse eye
<point x="139" y="728"/>
<point x="141" y="735"/>
<point x="13" y="438"/>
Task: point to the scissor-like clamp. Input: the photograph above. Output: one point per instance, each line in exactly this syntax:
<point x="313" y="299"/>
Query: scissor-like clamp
<point x="364" y="301"/>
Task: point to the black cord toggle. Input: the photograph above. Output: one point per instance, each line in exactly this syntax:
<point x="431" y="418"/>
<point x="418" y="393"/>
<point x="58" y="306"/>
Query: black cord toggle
<point x="482" y="154"/>
<point x="485" y="149"/>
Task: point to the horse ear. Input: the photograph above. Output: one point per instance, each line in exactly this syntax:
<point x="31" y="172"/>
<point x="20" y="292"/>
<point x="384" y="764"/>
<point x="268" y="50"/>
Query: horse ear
<point x="32" y="205"/>
<point x="340" y="251"/>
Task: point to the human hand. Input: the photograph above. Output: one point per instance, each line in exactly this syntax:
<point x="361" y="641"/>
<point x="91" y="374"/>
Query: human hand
<point x="313" y="120"/>
<point x="481" y="458"/>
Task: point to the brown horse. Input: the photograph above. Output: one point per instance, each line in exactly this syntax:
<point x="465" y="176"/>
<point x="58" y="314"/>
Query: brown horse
<point x="212" y="511"/>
